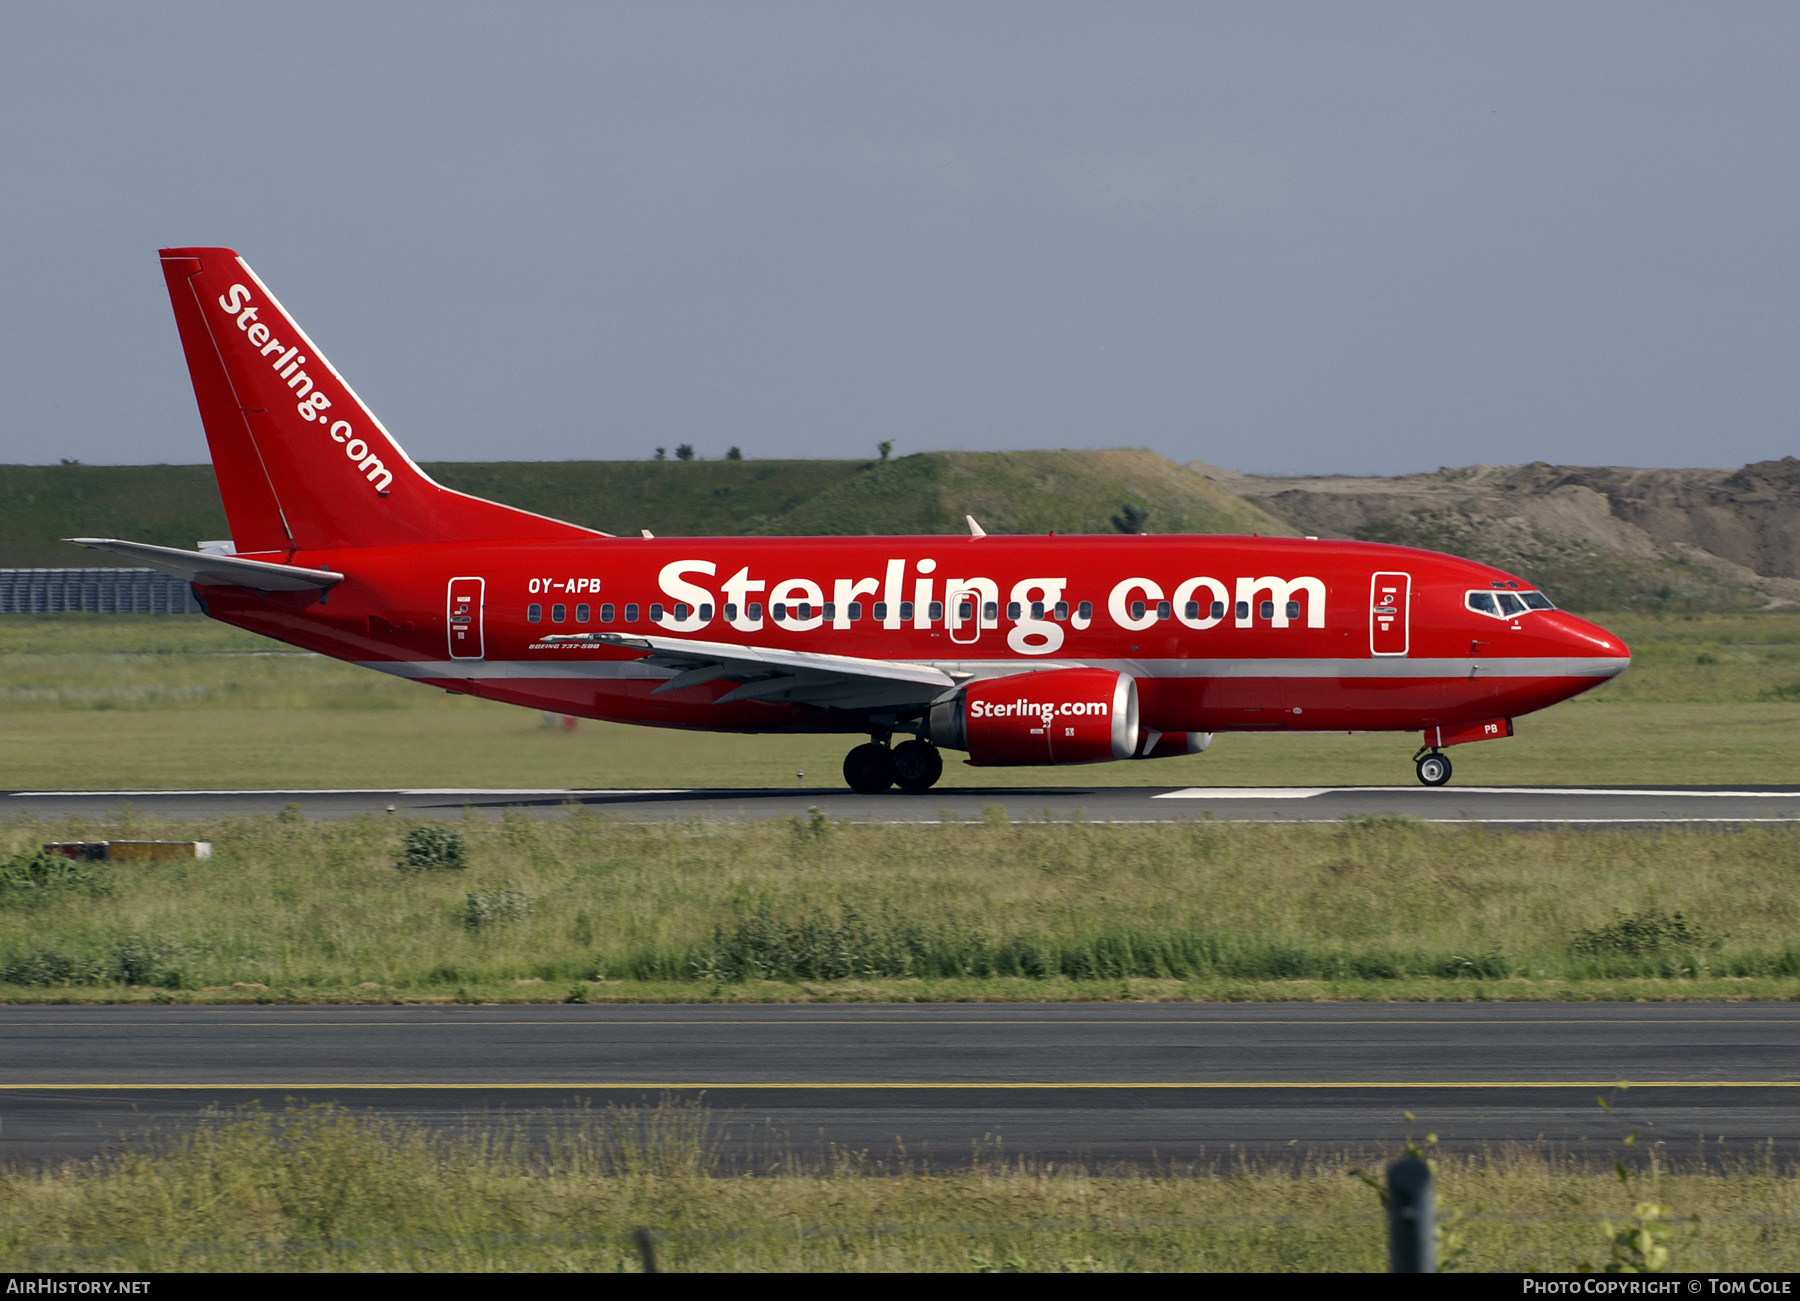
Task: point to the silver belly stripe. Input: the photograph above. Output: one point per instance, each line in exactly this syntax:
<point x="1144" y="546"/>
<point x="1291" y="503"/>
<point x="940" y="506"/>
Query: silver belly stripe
<point x="1376" y="669"/>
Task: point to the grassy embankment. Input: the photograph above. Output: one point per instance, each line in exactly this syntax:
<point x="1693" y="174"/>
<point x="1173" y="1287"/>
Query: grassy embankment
<point x="323" y="1190"/>
<point x="585" y="908"/>
<point x="1010" y="492"/>
<point x="140" y="702"/>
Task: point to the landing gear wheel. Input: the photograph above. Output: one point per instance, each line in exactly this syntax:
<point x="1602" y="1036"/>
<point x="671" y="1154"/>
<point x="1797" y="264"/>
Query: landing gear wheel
<point x="917" y="766"/>
<point x="1434" y="769"/>
<point x="869" y="769"/>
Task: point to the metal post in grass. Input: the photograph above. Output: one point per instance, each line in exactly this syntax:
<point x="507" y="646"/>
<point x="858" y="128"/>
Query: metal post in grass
<point x="1412" y="1240"/>
<point x="646" y="1245"/>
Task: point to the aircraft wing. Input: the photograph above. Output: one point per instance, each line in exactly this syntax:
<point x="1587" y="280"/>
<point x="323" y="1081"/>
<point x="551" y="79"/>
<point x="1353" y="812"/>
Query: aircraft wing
<point x="784" y="676"/>
<point x="204" y="567"/>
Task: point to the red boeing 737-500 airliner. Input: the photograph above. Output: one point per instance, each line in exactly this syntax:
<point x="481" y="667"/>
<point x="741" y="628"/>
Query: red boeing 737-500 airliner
<point x="1017" y="650"/>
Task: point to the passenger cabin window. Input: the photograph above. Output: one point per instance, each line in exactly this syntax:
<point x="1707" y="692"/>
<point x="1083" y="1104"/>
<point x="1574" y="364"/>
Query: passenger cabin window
<point x="731" y="612"/>
<point x="1163" y="609"/>
<point x="934" y="611"/>
<point x="1266" y="609"/>
<point x="965" y="611"/>
<point x="1293" y="609"/>
<point x="559" y="614"/>
<point x="1013" y="610"/>
<point x="706" y="611"/>
<point x="806" y="609"/>
<point x="906" y="611"/>
<point x="1137" y="609"/>
<point x="880" y="609"/>
<point x="779" y="610"/>
<point x="682" y="610"/>
<point x="755" y="610"/>
<point x="1061" y="611"/>
<point x="855" y="611"/>
<point x="1243" y="609"/>
<point x="1218" y="609"/>
<point x="1085" y="610"/>
<point x="631" y="612"/>
<point x="656" y="612"/>
<point x="583" y="613"/>
<point x="606" y="613"/>
<point x="830" y="611"/>
<point x="1037" y="609"/>
<point x="1192" y="611"/>
<point x="534" y="613"/>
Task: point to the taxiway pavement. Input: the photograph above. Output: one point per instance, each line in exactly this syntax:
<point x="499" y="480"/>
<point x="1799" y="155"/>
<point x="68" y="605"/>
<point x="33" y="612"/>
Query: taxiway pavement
<point x="1174" y="1083"/>
<point x="1496" y="805"/>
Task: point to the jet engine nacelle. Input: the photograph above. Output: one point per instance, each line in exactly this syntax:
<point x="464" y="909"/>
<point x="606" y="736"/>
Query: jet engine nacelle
<point x="1057" y="716"/>
<point x="1168" y="745"/>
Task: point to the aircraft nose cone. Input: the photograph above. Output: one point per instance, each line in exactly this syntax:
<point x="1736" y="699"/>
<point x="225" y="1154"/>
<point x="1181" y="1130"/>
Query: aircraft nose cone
<point x="1586" y="640"/>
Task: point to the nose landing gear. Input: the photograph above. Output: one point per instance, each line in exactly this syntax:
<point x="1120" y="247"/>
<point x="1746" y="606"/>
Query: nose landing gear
<point x="912" y="766"/>
<point x="1433" y="768"/>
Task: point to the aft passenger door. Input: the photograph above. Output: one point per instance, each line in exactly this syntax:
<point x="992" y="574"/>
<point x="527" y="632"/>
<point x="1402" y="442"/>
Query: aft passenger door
<point x="467" y="641"/>
<point x="1389" y="600"/>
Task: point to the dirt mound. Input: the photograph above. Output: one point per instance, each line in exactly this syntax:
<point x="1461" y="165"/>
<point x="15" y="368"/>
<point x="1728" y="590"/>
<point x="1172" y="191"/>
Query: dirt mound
<point x="1605" y="535"/>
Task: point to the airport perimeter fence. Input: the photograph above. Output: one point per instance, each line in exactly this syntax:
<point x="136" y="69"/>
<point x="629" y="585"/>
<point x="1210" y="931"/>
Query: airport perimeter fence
<point x="94" y="591"/>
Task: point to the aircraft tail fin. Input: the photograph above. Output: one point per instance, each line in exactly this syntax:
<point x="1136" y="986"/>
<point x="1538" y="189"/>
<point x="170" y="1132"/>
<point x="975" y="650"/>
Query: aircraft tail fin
<point x="302" y="463"/>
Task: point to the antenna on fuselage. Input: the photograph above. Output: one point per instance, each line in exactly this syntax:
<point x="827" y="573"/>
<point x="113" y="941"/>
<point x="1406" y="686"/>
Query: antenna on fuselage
<point x="975" y="530"/>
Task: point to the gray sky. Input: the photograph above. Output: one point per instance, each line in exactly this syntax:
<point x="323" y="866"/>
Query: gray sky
<point x="1295" y="238"/>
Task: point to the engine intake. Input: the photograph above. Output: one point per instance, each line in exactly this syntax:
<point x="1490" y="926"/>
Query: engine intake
<point x="1057" y="716"/>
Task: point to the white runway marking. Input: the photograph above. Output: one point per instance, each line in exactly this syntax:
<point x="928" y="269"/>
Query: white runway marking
<point x="1245" y="793"/>
<point x="1308" y="792"/>
<point x="423" y="790"/>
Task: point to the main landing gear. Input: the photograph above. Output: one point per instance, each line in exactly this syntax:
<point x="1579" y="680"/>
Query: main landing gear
<point x="912" y="766"/>
<point x="1434" y="768"/>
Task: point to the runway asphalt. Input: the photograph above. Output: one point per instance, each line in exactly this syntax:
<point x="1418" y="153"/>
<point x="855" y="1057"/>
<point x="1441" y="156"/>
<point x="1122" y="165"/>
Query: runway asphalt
<point x="1495" y="805"/>
<point x="1172" y="1083"/>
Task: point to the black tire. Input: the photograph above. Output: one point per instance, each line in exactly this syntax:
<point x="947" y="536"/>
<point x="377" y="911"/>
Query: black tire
<point x="917" y="766"/>
<point x="1434" y="769"/>
<point x="869" y="769"/>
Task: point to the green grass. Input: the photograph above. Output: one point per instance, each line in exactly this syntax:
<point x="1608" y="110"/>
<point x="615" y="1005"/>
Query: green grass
<point x="587" y="908"/>
<point x="321" y="1189"/>
<point x="671" y="498"/>
<point x="168" y="505"/>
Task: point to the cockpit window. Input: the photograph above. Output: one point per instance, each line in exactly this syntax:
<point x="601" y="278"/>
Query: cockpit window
<point x="1506" y="605"/>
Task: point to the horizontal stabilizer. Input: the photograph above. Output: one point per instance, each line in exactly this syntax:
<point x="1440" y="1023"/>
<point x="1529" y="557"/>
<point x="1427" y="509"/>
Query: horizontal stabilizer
<point x="213" y="570"/>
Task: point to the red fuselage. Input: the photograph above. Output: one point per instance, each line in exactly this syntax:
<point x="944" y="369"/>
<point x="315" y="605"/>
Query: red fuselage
<point x="1254" y="634"/>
